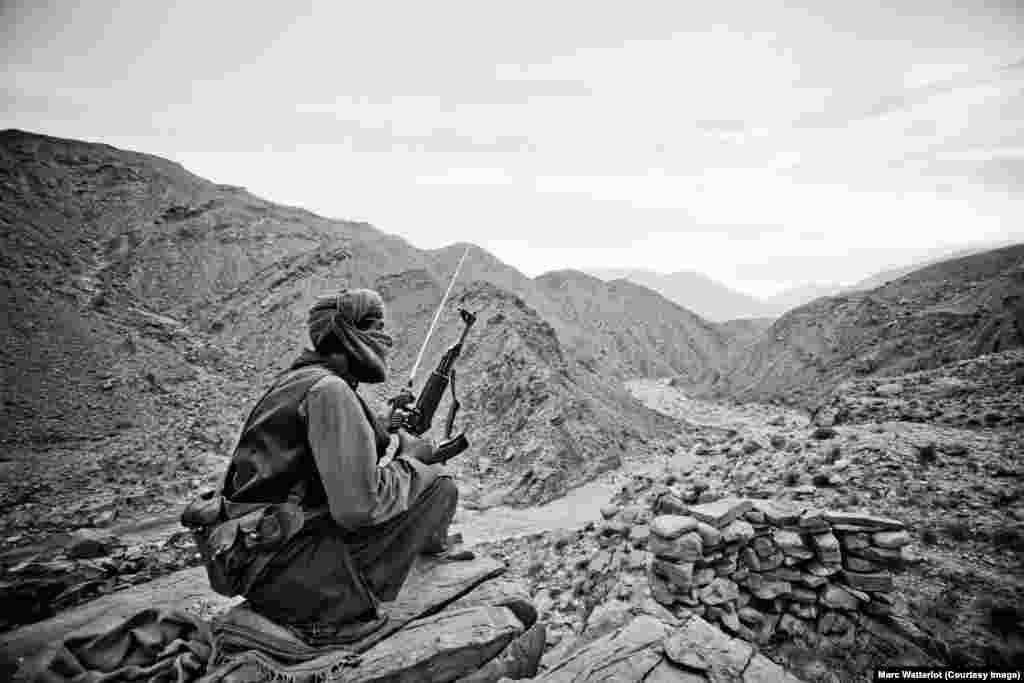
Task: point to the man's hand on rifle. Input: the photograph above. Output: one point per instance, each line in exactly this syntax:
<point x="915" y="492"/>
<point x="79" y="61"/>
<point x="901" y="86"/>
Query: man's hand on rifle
<point x="416" y="447"/>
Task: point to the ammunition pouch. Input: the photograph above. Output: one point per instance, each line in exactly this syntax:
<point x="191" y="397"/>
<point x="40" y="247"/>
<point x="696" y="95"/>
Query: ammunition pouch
<point x="235" y="550"/>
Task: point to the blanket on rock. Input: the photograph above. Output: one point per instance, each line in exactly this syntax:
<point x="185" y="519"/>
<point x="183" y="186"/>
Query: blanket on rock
<point x="161" y="646"/>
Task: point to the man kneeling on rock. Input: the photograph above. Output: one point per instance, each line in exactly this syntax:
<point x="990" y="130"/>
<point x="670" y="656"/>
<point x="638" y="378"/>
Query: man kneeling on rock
<point x="318" y="531"/>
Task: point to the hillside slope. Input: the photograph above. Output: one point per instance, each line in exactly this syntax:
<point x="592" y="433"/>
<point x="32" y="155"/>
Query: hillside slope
<point x="954" y="310"/>
<point x="631" y="329"/>
<point x="145" y="307"/>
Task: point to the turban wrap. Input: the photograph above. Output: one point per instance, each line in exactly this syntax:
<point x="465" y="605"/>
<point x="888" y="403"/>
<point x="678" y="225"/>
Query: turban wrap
<point x="343" y="315"/>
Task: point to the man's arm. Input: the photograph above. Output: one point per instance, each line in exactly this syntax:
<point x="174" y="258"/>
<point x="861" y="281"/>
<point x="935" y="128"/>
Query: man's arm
<point x="359" y="492"/>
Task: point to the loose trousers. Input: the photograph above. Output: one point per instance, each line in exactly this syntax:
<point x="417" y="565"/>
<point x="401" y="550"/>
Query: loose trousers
<point x="328" y="576"/>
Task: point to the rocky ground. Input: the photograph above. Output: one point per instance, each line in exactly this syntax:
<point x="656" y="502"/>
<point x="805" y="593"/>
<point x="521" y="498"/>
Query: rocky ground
<point x="954" y="482"/>
<point x="956" y="486"/>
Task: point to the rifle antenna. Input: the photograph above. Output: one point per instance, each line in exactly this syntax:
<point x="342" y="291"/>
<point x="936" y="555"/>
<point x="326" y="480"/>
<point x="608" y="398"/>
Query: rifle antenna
<point x="437" y="315"/>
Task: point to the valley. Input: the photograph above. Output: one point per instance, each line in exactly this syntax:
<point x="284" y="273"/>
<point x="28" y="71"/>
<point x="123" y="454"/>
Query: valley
<point x="144" y="308"/>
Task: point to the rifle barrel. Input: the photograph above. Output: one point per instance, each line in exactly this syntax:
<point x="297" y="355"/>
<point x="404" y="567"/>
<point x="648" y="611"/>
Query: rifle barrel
<point x="437" y="315"/>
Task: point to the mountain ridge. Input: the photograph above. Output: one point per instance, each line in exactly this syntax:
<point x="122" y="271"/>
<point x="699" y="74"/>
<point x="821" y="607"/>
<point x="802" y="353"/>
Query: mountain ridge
<point x="143" y="298"/>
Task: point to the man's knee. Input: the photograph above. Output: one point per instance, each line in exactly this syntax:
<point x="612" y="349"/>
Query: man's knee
<point x="447" y="491"/>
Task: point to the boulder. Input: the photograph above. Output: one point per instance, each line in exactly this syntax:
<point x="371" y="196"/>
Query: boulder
<point x="719" y="591"/>
<point x="678" y="575"/>
<point x="791" y="544"/>
<point x="767" y="590"/>
<point x="783" y="574"/>
<point x="709" y="535"/>
<point x="670" y="527"/>
<point x="669" y="504"/>
<point x="763" y="546"/>
<point x="814" y="522"/>
<point x="614" y="527"/>
<point x="607" y="617"/>
<point x="796" y="627"/>
<point x="812" y="581"/>
<point x="803" y="610"/>
<point x="661" y="591"/>
<point x="472" y="637"/>
<point x="750" y="559"/>
<point x="777" y="513"/>
<point x="686" y="548"/>
<point x="887" y="556"/>
<point x="627" y="654"/>
<point x="824" y="570"/>
<point x="854" y="541"/>
<point x="704" y="576"/>
<point x="738" y="531"/>
<point x="721" y="513"/>
<point x="831" y="623"/>
<point x="773" y="561"/>
<point x="637" y="559"/>
<point x="804" y="595"/>
<point x="859" y="564"/>
<point x="727" y="657"/>
<point x="827" y="547"/>
<point x="633" y="514"/>
<point x="501" y="592"/>
<point x="763" y="670"/>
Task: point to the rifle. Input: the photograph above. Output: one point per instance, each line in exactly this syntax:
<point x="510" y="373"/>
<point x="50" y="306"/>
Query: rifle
<point x="417" y="419"/>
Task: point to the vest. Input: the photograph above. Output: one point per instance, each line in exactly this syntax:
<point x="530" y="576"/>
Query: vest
<point x="271" y="490"/>
<point x="273" y="459"/>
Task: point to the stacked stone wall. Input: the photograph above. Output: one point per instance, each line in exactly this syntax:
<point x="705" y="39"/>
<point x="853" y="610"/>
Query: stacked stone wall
<point x="760" y="569"/>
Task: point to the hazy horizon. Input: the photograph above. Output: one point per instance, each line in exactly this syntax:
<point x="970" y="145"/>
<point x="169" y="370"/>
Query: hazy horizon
<point x="764" y="146"/>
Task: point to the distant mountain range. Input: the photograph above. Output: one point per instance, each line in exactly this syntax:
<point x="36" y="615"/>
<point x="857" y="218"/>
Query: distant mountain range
<point x="718" y="302"/>
<point x="694" y="291"/>
<point x="145" y="306"/>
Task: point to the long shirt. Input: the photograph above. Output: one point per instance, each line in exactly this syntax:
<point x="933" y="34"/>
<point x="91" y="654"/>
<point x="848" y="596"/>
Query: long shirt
<point x="359" y="491"/>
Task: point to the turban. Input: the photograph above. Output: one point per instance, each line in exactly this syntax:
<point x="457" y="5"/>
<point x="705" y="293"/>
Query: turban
<point x="345" y="315"/>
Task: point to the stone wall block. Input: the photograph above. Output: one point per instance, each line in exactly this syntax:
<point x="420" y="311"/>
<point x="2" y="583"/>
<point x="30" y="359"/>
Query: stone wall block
<point x="686" y="548"/>
<point x="870" y="582"/>
<point x="854" y="541"/>
<point x="763" y="546"/>
<point x="773" y="561"/>
<point x="791" y="543"/>
<point x="738" y="531"/>
<point x="854" y="521"/>
<point x="837" y="598"/>
<point x="678" y="574"/>
<point x="719" y="592"/>
<point x="814" y="522"/>
<point x="826" y="546"/>
<point x="750" y="560"/>
<point x="820" y="569"/>
<point x="670" y="527"/>
<point x="803" y="595"/>
<point x="709" y="535"/>
<point x="777" y="513"/>
<point x="859" y="564"/>
<point x="721" y="513"/>
<point x="803" y="610"/>
<point x="704" y="576"/>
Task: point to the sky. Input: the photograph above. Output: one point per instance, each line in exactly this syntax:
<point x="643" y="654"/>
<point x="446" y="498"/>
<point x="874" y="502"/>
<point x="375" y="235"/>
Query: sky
<point x="766" y="144"/>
